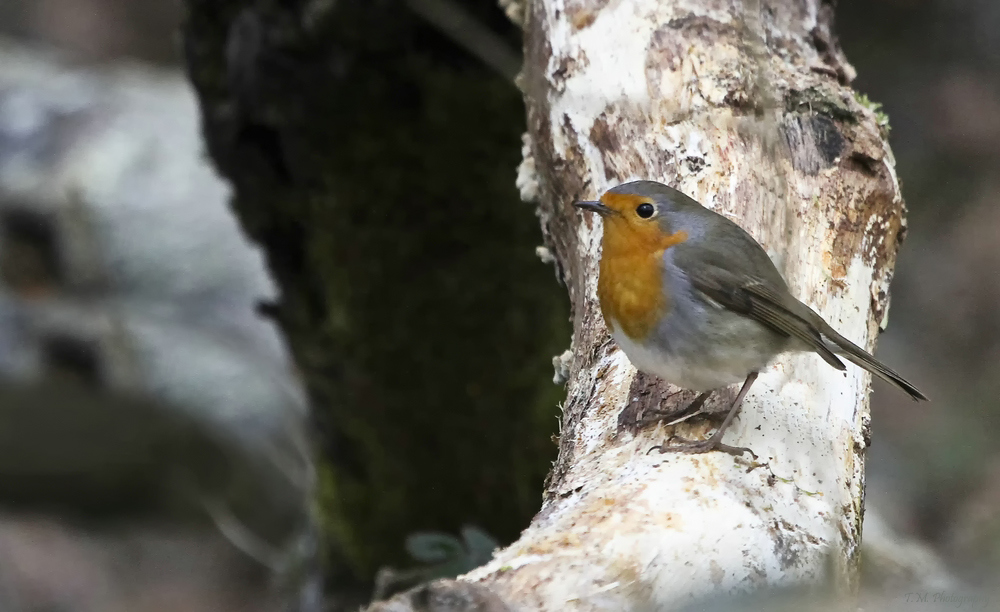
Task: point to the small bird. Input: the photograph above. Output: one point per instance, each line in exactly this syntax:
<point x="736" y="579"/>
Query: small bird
<point x="692" y="298"/>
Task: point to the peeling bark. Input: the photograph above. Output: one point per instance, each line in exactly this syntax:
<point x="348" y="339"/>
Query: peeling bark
<point x="745" y="107"/>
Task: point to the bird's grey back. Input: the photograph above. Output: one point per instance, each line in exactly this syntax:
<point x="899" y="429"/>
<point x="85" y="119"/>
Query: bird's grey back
<point x="714" y="240"/>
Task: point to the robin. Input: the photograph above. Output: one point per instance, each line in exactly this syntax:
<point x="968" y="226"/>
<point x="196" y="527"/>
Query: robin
<point x="692" y="298"/>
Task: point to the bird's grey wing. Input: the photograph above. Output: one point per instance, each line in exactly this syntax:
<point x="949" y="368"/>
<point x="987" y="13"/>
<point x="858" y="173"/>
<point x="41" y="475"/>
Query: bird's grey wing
<point x="786" y="315"/>
<point x="737" y="273"/>
<point x="750" y="285"/>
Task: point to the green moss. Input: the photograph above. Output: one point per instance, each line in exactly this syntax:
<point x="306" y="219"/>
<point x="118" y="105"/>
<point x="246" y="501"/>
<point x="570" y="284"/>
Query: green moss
<point x="416" y="309"/>
<point x="881" y="118"/>
<point x="826" y="102"/>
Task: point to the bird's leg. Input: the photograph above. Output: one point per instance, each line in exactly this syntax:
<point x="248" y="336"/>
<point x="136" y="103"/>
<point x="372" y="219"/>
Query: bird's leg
<point x="676" y="416"/>
<point x="715" y="442"/>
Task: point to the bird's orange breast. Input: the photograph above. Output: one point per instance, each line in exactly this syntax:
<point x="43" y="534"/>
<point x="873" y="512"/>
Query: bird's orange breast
<point x="630" y="288"/>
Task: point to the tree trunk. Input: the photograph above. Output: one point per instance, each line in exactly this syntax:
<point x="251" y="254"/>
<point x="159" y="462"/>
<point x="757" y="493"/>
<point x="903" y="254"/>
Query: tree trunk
<point x="746" y="107"/>
<point x="372" y="159"/>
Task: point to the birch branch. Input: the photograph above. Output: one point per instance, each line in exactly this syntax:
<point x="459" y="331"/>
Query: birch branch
<point x="745" y="107"/>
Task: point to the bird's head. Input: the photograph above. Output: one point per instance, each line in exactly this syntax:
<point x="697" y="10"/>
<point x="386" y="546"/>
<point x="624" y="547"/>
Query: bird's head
<point x="636" y="216"/>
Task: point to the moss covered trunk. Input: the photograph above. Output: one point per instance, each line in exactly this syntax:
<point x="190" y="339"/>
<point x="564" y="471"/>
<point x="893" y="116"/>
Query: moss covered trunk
<point x="374" y="161"/>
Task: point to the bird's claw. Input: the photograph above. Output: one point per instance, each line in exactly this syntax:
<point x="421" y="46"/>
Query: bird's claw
<point x="690" y="447"/>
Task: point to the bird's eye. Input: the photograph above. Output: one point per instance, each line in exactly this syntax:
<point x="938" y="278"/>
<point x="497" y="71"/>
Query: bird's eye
<point x="645" y="210"/>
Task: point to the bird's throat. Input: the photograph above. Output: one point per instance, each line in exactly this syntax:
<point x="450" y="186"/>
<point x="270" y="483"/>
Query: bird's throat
<point x="630" y="288"/>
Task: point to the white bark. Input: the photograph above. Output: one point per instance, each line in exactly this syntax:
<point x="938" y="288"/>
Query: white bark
<point x="734" y="105"/>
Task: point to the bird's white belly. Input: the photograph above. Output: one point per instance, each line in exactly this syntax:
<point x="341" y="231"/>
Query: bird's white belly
<point x="726" y="366"/>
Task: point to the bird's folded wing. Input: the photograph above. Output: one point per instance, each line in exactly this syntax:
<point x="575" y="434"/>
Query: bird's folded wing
<point x="752" y="298"/>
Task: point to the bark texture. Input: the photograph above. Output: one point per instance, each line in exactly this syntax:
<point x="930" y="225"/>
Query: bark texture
<point x="746" y="107"/>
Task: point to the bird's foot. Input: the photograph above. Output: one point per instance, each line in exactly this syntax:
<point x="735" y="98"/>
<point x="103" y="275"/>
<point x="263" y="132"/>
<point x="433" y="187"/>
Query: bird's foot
<point x="715" y="442"/>
<point x="691" y="447"/>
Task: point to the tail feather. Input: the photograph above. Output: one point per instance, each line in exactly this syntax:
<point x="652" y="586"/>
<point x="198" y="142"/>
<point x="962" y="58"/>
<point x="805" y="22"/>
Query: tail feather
<point x="860" y="357"/>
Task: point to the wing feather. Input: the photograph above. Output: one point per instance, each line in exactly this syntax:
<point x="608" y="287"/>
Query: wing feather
<point x="750" y="297"/>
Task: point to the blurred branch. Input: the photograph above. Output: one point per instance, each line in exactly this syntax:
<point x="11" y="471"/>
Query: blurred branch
<point x="243" y="538"/>
<point x="137" y="376"/>
<point x="465" y="30"/>
<point x="893" y="561"/>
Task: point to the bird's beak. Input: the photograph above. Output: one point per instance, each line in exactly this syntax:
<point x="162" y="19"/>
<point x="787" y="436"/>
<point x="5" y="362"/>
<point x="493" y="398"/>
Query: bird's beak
<point x="595" y="206"/>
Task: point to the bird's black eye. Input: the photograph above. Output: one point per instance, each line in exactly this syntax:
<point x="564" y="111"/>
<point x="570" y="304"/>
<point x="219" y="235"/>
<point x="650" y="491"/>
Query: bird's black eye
<point x="645" y="210"/>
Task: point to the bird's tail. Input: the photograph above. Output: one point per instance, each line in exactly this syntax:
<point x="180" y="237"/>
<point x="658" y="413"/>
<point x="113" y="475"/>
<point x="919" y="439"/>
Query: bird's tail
<point x="861" y="358"/>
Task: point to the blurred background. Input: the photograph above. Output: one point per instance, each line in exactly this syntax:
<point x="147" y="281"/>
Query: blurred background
<point x="130" y="305"/>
